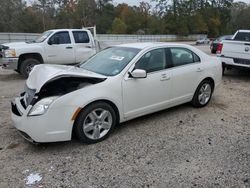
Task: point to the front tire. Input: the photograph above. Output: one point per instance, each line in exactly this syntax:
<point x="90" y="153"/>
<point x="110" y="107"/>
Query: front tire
<point x="95" y="123"/>
<point x="27" y="65"/>
<point x="203" y="94"/>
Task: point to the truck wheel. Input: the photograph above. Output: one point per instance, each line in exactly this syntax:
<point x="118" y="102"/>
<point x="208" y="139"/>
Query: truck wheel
<point x="27" y="65"/>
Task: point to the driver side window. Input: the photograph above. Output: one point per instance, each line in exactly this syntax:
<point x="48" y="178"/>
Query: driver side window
<point x="152" y="61"/>
<point x="60" y="38"/>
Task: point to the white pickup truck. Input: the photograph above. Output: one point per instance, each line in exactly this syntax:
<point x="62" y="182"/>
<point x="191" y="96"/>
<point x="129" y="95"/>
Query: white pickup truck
<point x="59" y="46"/>
<point x="235" y="52"/>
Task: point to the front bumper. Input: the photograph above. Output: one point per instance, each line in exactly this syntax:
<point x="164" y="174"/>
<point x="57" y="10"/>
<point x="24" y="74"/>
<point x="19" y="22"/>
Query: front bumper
<point x="228" y="61"/>
<point x="54" y="126"/>
<point x="9" y="63"/>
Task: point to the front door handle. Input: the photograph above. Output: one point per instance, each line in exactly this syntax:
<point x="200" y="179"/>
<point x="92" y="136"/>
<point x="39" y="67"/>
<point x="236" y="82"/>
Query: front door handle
<point x="165" y="77"/>
<point x="199" y="69"/>
<point x="69" y="47"/>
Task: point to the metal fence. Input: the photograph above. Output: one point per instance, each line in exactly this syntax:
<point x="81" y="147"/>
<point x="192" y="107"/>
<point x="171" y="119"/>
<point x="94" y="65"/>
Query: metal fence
<point x="18" y="37"/>
<point x="148" y="38"/>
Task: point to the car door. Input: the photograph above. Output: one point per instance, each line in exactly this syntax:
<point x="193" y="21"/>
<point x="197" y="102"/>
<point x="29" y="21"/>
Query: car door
<point x="84" y="47"/>
<point x="59" y="49"/>
<point x="146" y="95"/>
<point x="187" y="71"/>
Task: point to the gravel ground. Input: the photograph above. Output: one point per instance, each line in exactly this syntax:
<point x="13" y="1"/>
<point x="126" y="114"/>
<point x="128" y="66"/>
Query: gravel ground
<point x="178" y="147"/>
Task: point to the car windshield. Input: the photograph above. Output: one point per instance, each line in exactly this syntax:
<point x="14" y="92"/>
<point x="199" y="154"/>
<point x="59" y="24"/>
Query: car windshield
<point x="110" y="61"/>
<point x="42" y="37"/>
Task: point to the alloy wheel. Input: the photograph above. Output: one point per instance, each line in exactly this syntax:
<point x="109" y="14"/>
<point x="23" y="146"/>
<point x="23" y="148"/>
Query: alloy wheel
<point x="97" y="123"/>
<point x="205" y="93"/>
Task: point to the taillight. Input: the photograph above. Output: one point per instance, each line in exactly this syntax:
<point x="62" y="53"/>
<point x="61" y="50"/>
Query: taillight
<point x="219" y="48"/>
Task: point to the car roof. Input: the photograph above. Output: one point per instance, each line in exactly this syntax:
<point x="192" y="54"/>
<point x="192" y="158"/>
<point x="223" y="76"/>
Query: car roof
<point x="146" y="45"/>
<point x="242" y="30"/>
<point x="54" y="30"/>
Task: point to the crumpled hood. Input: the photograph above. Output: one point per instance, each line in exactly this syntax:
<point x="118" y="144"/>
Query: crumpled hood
<point x="44" y="73"/>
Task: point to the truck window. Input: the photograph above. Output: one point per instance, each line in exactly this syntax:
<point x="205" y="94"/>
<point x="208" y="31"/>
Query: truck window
<point x="81" y="37"/>
<point x="62" y="37"/>
<point x="242" y="36"/>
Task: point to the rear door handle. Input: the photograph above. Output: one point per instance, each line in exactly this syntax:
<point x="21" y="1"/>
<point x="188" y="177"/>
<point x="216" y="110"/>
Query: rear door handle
<point x="199" y="70"/>
<point x="69" y="47"/>
<point x="165" y="77"/>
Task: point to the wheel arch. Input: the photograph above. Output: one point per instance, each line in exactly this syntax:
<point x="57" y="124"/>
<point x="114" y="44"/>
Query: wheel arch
<point x="25" y="56"/>
<point x="211" y="80"/>
<point x="112" y="104"/>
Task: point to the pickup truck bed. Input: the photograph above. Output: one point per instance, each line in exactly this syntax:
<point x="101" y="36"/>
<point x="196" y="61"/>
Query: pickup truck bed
<point x="236" y="52"/>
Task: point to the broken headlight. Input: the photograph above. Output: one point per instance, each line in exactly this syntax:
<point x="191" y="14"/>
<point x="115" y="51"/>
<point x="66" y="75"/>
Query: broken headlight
<point x="42" y="106"/>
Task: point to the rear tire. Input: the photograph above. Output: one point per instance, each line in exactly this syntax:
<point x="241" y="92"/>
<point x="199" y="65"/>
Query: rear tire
<point x="95" y="123"/>
<point x="27" y="65"/>
<point x="203" y="94"/>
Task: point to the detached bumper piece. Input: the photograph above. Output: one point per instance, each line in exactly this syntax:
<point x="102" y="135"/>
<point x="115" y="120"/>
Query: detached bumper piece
<point x="17" y="109"/>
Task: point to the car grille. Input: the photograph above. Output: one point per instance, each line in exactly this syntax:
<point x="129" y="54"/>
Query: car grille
<point x="242" y="61"/>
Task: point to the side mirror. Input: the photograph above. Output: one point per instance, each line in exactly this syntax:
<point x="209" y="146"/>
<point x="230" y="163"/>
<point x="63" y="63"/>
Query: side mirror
<point x="138" y="73"/>
<point x="49" y="42"/>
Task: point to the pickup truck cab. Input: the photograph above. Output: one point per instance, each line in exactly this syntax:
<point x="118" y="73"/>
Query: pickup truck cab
<point x="235" y="52"/>
<point x="59" y="46"/>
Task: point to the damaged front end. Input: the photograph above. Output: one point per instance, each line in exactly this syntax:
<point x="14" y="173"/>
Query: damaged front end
<point x="62" y="85"/>
<point x="37" y="114"/>
<point x="55" y="87"/>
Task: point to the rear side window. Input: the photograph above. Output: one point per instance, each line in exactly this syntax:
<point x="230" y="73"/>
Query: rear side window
<point x="81" y="37"/>
<point x="242" y="36"/>
<point x="182" y="56"/>
<point x="152" y="61"/>
<point x="61" y="37"/>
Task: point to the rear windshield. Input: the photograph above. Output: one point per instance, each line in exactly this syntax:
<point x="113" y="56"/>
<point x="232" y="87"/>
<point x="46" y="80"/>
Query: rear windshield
<point x="242" y="36"/>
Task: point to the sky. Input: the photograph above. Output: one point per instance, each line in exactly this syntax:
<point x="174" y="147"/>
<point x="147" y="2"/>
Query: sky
<point x="136" y="2"/>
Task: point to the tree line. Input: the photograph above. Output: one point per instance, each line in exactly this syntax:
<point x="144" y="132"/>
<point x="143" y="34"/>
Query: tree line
<point x="212" y="17"/>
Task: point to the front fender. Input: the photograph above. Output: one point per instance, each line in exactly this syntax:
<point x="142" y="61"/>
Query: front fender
<point x="89" y="94"/>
